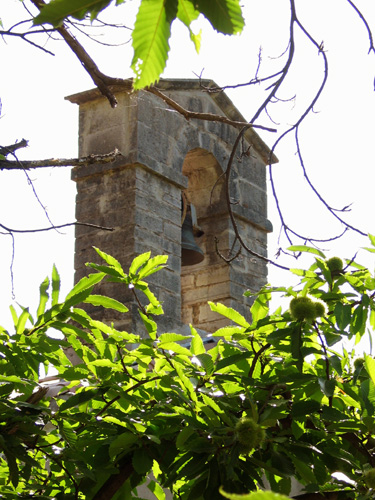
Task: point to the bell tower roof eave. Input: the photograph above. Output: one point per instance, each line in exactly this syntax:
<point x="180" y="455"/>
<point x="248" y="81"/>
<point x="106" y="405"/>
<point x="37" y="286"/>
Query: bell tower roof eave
<point x="177" y="84"/>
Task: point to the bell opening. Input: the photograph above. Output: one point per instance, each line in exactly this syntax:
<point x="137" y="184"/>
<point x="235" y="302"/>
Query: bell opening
<point x="191" y="253"/>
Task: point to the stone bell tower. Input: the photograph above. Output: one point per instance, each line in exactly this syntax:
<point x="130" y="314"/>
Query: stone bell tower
<point x="139" y="195"/>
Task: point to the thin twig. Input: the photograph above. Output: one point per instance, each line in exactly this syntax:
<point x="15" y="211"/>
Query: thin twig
<point x="87" y="224"/>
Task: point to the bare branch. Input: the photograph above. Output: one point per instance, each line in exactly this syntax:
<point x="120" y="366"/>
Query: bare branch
<point x="204" y="116"/>
<point x="229" y="206"/>
<point x="59" y="162"/>
<point x="6" y="150"/>
<point x="44" y="229"/>
<point x="24" y="36"/>
<point x="363" y="19"/>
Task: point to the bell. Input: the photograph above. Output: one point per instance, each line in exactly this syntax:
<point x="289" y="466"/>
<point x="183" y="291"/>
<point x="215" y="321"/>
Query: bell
<point x="190" y="252"/>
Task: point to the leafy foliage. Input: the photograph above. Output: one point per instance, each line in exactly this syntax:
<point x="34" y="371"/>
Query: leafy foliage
<point x="164" y="403"/>
<point x="152" y="28"/>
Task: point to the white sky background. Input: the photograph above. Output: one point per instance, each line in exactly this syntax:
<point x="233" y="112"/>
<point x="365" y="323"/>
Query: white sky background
<point x="337" y="142"/>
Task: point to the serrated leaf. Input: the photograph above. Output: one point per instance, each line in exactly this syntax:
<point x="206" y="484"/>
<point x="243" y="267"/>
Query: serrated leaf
<point x="183" y="435"/>
<point x="206" y="362"/>
<point x="358" y="320"/>
<point x="228" y="331"/>
<point x="123" y="442"/>
<point x="327" y="386"/>
<point x="173" y="347"/>
<point x="151" y="33"/>
<point x="140" y="260"/>
<point x="256" y="495"/>
<point x="111" y="261"/>
<point x="154" y="265"/>
<point x="150" y="325"/>
<point x="24" y="316"/>
<point x="304" y="248"/>
<point x="187" y="14"/>
<point x="197" y="346"/>
<point x="85" y="283"/>
<point x="233" y="360"/>
<point x="229" y="313"/>
<point x="156" y="489"/>
<point x="224" y="15"/>
<point x="107" y="302"/>
<point x="55" y="285"/>
<point x="80" y="398"/>
<point x="259" y="309"/>
<point x="372" y="239"/>
<point x="57" y="10"/>
<point x="142" y="462"/>
<point x="43" y="296"/>
<point x="343" y="314"/>
<point x="12" y="379"/>
<point x="370" y="366"/>
<point x="172" y="337"/>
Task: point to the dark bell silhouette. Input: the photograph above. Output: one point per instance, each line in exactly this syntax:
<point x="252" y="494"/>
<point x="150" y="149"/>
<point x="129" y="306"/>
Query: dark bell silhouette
<point x="190" y="252"/>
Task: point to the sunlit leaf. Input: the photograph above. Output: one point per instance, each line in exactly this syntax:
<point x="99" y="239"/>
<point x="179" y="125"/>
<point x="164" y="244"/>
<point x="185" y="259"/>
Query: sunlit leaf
<point x="57" y="10"/>
<point x="255" y="495"/>
<point x="224" y="15"/>
<point x="229" y="313"/>
<point x="107" y="302"/>
<point x="151" y="33"/>
<point x="43" y="296"/>
<point x="304" y="248"/>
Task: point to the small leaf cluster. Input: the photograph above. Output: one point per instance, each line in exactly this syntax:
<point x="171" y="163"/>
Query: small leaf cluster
<point x="152" y="28"/>
<point x="274" y="401"/>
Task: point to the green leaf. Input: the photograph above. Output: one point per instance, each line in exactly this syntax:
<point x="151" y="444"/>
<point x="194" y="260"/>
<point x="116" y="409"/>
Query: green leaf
<point x="187" y="14"/>
<point x="150" y="325"/>
<point x="151" y="33"/>
<point x="142" y="461"/>
<point x="259" y="309"/>
<point x="370" y="366"/>
<point x="172" y="337"/>
<point x="304" y="248"/>
<point x="55" y="285"/>
<point x="57" y="10"/>
<point x="140" y="260"/>
<point x="173" y="347"/>
<point x="107" y="302"/>
<point x="12" y="379"/>
<point x="303" y="408"/>
<point x="224" y="15"/>
<point x="156" y="489"/>
<point x="343" y="313"/>
<point x="122" y="443"/>
<point x="255" y="495"/>
<point x="184" y="435"/>
<point x="111" y="261"/>
<point x="24" y="316"/>
<point x="372" y="239"/>
<point x="229" y="313"/>
<point x="206" y="362"/>
<point x="327" y="386"/>
<point x="85" y="283"/>
<point x="233" y="360"/>
<point x="197" y="346"/>
<point x="358" y="320"/>
<point x="43" y="297"/>
<point x="153" y="265"/>
<point x="81" y="397"/>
